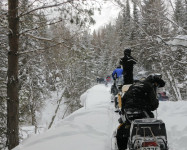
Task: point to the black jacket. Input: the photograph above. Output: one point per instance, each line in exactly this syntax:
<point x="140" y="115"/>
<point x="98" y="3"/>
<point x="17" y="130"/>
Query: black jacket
<point x="127" y="62"/>
<point x="142" y="96"/>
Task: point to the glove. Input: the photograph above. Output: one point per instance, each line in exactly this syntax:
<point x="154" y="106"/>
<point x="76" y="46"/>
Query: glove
<point x="122" y="112"/>
<point x="119" y="112"/>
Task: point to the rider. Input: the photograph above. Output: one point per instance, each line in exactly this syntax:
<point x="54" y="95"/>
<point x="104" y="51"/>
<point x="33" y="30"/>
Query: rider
<point x="108" y="80"/>
<point x="117" y="72"/>
<point x="140" y="96"/>
<point x="115" y="75"/>
<point x="127" y="62"/>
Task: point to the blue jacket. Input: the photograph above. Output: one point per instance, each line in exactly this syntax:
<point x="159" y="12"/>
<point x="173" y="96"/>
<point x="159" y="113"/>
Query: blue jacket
<point x="117" y="72"/>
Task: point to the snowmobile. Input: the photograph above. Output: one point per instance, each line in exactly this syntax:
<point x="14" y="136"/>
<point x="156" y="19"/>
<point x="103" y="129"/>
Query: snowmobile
<point x="116" y="87"/>
<point x="142" y="134"/>
<point x="107" y="80"/>
<point x="121" y="92"/>
<point x="117" y="93"/>
<point x="114" y="91"/>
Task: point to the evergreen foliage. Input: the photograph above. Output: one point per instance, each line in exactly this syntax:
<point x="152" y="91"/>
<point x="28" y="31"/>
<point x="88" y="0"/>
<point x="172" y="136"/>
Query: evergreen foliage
<point x="180" y="14"/>
<point x="3" y="75"/>
<point x="147" y="33"/>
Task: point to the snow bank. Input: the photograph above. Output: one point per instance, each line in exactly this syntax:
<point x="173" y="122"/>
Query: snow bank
<point x="91" y="127"/>
<point x="174" y="114"/>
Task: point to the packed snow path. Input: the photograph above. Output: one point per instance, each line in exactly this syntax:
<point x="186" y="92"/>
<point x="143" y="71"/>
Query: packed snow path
<point x="91" y="127"/>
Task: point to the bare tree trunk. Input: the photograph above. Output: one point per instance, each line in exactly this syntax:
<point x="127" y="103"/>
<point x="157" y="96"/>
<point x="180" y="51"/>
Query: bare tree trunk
<point x="33" y="119"/>
<point x="53" y="118"/>
<point x="12" y="83"/>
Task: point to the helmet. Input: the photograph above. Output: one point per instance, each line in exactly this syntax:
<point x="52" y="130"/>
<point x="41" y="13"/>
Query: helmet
<point x="119" y="66"/>
<point x="156" y="79"/>
<point x="127" y="51"/>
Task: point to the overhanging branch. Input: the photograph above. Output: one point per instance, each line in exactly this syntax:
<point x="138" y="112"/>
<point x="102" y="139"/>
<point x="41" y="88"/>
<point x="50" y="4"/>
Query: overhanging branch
<point x="44" y="7"/>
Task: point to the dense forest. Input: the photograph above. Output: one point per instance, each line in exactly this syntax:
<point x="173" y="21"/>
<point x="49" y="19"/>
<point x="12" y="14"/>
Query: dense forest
<point x="48" y="46"/>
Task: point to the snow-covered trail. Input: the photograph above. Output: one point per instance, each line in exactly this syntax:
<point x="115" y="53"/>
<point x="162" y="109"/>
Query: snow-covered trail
<point x="92" y="126"/>
<point x="89" y="128"/>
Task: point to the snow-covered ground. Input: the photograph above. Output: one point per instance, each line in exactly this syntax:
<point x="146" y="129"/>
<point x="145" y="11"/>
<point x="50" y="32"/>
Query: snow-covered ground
<point x="91" y="127"/>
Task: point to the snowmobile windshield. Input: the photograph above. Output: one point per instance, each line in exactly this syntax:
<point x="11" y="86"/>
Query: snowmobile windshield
<point x="140" y="77"/>
<point x="158" y="75"/>
<point x="155" y="75"/>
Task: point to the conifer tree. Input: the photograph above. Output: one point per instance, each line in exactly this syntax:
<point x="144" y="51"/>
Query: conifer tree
<point x="153" y="13"/>
<point x="180" y="15"/>
<point x="178" y="11"/>
<point x="135" y="28"/>
<point x="185" y="16"/>
<point x="126" y="24"/>
<point x="3" y="75"/>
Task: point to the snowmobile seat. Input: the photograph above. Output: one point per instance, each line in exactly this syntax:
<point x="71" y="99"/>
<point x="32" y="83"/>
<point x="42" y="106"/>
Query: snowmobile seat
<point x="125" y="87"/>
<point x="132" y="114"/>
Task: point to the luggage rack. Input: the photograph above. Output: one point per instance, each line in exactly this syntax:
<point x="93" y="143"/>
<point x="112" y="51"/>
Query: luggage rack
<point x="148" y="130"/>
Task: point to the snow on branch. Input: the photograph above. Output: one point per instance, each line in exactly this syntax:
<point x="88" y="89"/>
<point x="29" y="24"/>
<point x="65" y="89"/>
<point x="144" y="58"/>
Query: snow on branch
<point x="37" y="27"/>
<point x="181" y="28"/>
<point x="171" y="5"/>
<point x="160" y="39"/>
<point x="44" y="7"/>
<point x="40" y="38"/>
<point x="181" y="62"/>
<point x="43" y="49"/>
<point x="180" y="40"/>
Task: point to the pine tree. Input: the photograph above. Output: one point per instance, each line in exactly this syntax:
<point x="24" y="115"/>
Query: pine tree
<point x="126" y="24"/>
<point x="185" y="16"/>
<point x="153" y="24"/>
<point x="12" y="83"/>
<point x="119" y="27"/>
<point x="153" y="13"/>
<point x="179" y="7"/>
<point x="3" y="75"/>
<point x="180" y="15"/>
<point x="31" y="69"/>
<point x="135" y="29"/>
